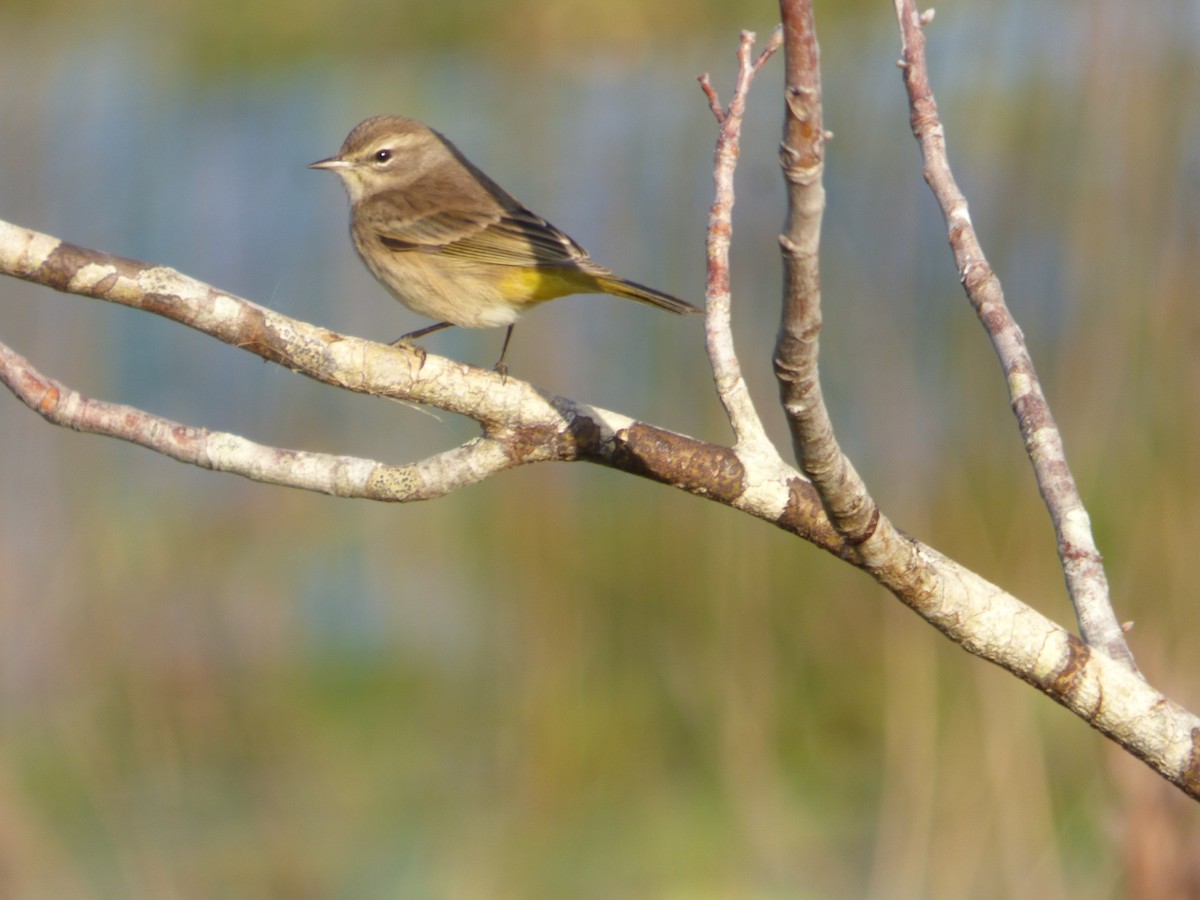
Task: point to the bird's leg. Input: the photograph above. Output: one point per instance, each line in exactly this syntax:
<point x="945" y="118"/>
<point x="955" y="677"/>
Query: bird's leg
<point x="407" y="339"/>
<point x="421" y="332"/>
<point x="500" y="366"/>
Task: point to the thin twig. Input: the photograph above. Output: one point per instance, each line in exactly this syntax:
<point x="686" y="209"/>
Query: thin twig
<point x="714" y="102"/>
<point x="731" y="387"/>
<point x="1082" y="564"/>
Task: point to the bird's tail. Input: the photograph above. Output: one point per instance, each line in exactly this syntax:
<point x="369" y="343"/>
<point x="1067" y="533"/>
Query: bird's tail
<point x="631" y="290"/>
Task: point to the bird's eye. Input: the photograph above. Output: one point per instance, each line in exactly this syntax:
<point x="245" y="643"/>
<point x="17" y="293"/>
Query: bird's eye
<point x="383" y="155"/>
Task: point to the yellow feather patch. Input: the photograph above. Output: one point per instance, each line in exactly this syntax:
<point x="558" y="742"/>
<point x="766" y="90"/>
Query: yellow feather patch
<point x="528" y="284"/>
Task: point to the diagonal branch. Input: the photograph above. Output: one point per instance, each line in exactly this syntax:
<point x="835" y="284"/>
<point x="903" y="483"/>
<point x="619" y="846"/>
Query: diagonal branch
<point x="402" y="372"/>
<point x="520" y="422"/>
<point x="343" y="476"/>
<point x="1081" y="560"/>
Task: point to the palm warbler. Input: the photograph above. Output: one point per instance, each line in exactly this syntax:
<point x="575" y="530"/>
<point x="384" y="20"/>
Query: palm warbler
<point x="450" y="243"/>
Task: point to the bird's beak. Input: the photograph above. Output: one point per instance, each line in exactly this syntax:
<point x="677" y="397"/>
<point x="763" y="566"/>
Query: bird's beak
<point x="333" y="163"/>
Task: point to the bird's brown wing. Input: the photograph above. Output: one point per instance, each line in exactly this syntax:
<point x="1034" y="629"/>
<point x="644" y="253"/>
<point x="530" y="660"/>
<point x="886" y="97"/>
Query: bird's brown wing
<point x="502" y="236"/>
<point x="519" y="237"/>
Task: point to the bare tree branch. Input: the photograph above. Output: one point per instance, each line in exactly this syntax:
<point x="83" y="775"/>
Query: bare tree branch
<point x="521" y="424"/>
<point x="878" y="546"/>
<point x="343" y="476"/>
<point x="748" y="430"/>
<point x="530" y="426"/>
<point x="802" y="157"/>
<point x="1081" y="561"/>
<point x="527" y="424"/>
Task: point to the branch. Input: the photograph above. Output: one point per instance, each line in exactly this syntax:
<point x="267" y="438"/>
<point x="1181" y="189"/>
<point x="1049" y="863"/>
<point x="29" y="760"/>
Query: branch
<point x="343" y="476"/>
<point x="748" y="430"/>
<point x="802" y="156"/>
<point x="916" y="574"/>
<point x="521" y="424"/>
<point x="1081" y="560"/>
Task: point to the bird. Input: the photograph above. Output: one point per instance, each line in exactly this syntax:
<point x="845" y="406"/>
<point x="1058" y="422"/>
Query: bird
<point x="450" y="244"/>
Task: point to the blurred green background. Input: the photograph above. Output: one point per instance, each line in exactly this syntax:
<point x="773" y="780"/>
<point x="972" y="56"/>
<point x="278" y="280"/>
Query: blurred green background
<point x="565" y="682"/>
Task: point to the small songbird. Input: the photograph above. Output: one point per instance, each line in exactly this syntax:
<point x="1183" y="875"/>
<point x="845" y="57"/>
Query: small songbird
<point x="450" y="243"/>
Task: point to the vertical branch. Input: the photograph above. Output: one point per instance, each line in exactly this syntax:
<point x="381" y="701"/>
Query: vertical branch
<point x="727" y="371"/>
<point x="1081" y="560"/>
<point x="802" y="157"/>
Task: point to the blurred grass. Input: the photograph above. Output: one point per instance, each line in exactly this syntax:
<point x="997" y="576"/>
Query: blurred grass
<point x="229" y="36"/>
<point x="565" y="682"/>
